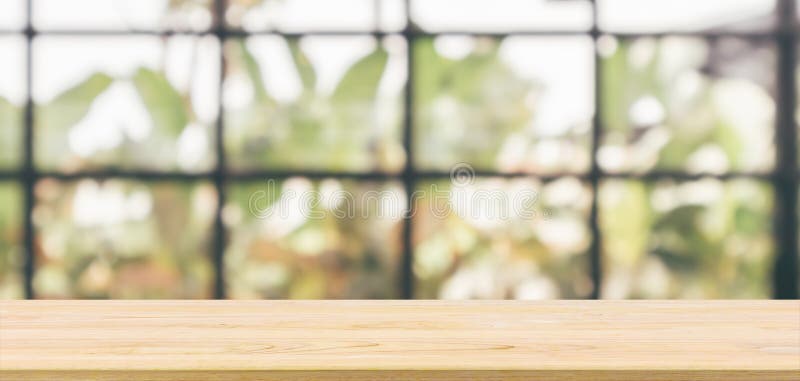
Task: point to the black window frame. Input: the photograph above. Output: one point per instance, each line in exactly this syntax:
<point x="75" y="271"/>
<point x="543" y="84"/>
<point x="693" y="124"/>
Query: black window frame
<point x="783" y="178"/>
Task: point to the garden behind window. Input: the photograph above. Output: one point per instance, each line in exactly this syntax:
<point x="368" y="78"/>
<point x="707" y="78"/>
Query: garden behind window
<point x="142" y="143"/>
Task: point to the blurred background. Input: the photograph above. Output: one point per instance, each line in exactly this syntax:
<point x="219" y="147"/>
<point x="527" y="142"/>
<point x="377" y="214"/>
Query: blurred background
<point x="661" y="137"/>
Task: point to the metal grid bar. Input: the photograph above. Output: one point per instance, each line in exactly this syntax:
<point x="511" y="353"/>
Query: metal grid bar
<point x="784" y="178"/>
<point x="219" y="175"/>
<point x="409" y="174"/>
<point x="28" y="170"/>
<point x="596" y="249"/>
<point x="231" y="33"/>
<point x="231" y="175"/>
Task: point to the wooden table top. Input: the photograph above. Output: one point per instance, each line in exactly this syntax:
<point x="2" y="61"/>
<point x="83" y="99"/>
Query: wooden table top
<point x="412" y="340"/>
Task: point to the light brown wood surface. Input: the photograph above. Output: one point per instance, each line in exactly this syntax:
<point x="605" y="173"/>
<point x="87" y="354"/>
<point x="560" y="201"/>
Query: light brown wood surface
<point x="399" y="340"/>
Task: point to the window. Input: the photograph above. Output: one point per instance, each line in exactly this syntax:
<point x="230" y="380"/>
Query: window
<point x="139" y="140"/>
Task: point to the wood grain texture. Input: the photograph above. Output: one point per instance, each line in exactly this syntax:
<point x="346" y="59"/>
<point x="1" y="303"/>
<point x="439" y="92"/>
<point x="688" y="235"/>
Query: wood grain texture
<point x="402" y="340"/>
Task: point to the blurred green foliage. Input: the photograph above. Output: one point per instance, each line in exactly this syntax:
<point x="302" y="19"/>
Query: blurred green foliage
<point x="161" y="112"/>
<point x="503" y="104"/>
<point x="164" y="103"/>
<point x="673" y="104"/>
<point x="466" y="108"/>
<point x="54" y="120"/>
<point x="348" y="250"/>
<point x="345" y="130"/>
<point x="123" y="239"/>
<point x="667" y="104"/>
<point x="11" y="251"/>
<point x="10" y="134"/>
<point x="696" y="239"/>
<point x="463" y="252"/>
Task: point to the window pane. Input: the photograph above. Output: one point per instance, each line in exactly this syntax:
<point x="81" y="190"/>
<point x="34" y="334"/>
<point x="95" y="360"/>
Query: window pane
<point x="331" y="103"/>
<point x="694" y="239"/>
<point x="12" y="99"/>
<point x="300" y="239"/>
<point x="122" y="14"/>
<point x="687" y="104"/>
<point x="392" y="14"/>
<point x="12" y="14"/>
<point x="685" y="15"/>
<point x="123" y="239"/>
<point x="125" y="102"/>
<point x="501" y="15"/>
<point x="316" y="15"/>
<point x="11" y="250"/>
<point x="512" y="105"/>
<point x="502" y="239"/>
